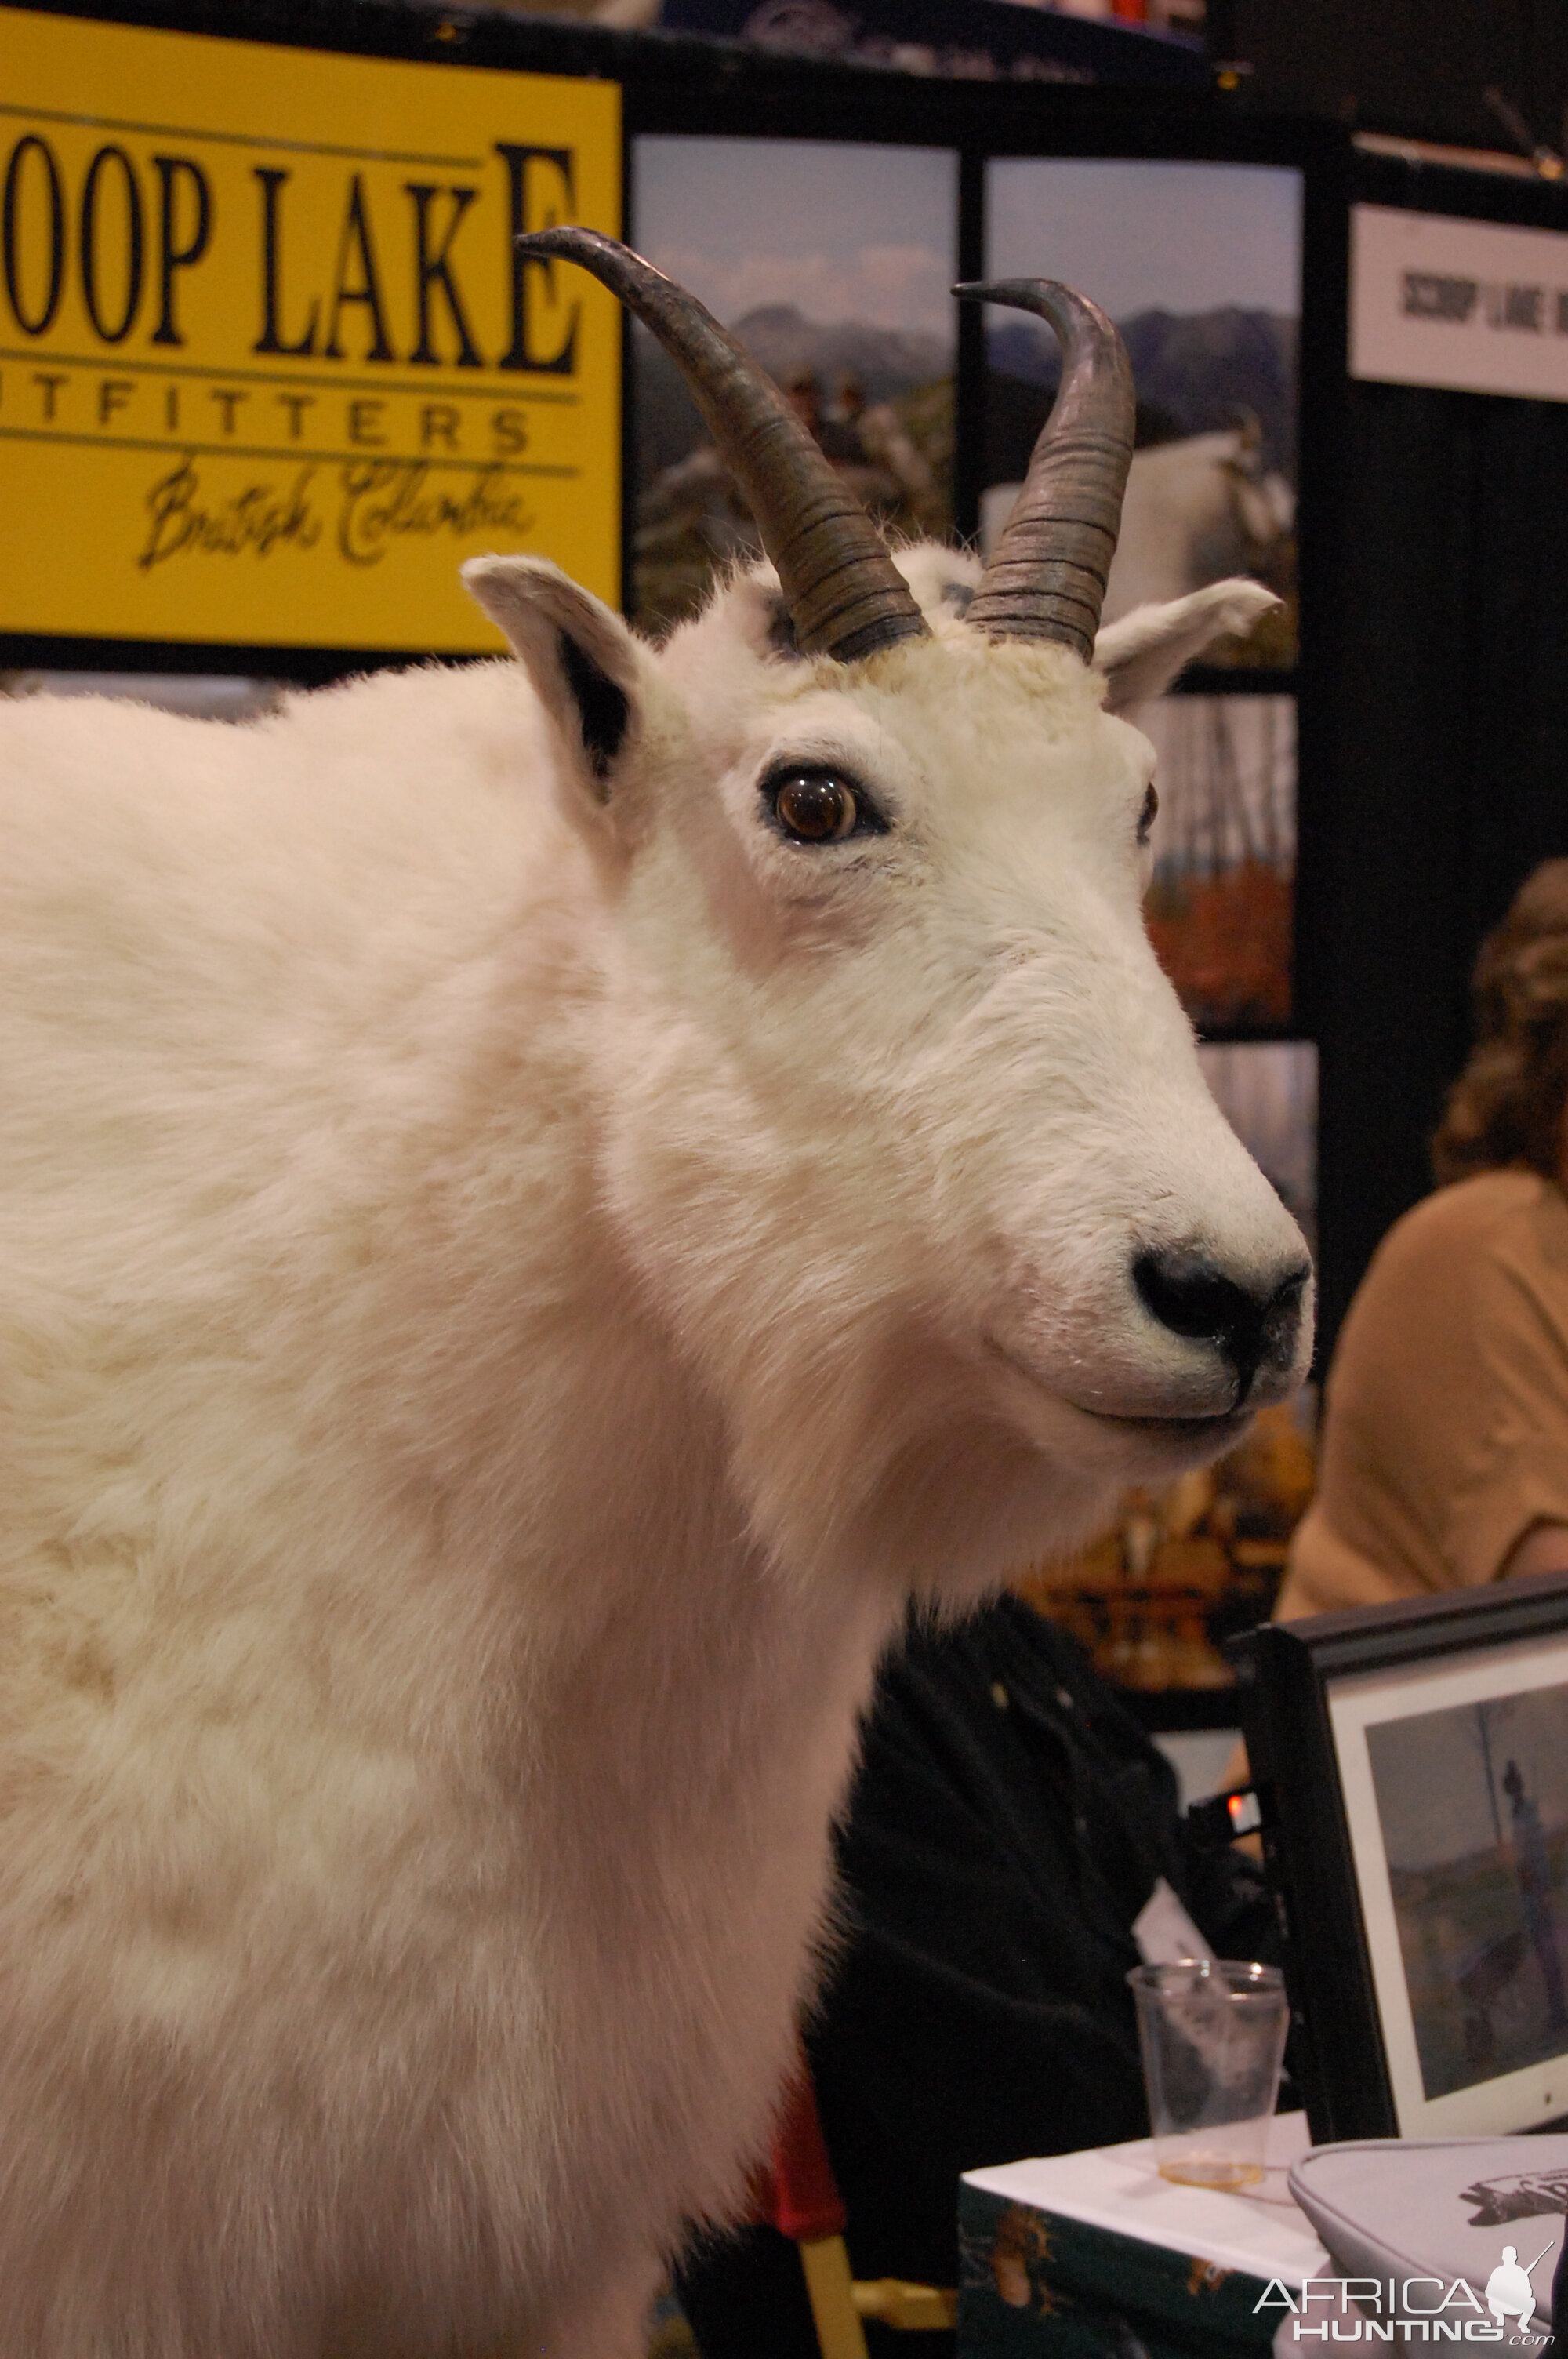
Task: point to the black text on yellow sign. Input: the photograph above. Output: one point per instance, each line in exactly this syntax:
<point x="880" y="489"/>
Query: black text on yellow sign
<point x="270" y="363"/>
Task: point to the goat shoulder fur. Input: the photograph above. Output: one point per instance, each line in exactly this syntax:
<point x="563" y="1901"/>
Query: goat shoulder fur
<point x="419" y="1723"/>
<point x="360" y="1734"/>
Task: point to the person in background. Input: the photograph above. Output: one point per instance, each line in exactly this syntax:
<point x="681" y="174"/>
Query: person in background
<point x="1008" y="1822"/>
<point x="833" y="438"/>
<point x="1444" y="1452"/>
<point x="889" y="454"/>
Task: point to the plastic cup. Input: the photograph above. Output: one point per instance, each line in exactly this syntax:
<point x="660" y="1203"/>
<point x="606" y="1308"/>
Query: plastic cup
<point x="1212" y="2032"/>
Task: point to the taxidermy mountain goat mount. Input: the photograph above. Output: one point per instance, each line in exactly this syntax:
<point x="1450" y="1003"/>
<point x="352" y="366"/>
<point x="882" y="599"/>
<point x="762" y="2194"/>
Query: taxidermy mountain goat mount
<point x="538" y="1203"/>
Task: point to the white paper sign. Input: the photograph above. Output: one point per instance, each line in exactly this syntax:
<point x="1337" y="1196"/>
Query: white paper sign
<point x="1163" y="1931"/>
<point x="1466" y="306"/>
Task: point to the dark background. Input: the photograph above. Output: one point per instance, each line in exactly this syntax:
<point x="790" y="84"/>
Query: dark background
<point x="1419" y="67"/>
<point x="1435" y="739"/>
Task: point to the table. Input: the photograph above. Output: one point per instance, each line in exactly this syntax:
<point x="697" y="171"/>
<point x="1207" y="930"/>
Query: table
<point x="1094" y="2255"/>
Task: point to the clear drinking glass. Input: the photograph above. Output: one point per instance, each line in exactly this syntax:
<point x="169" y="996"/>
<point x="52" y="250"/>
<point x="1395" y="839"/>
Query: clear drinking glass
<point x="1212" y="2032"/>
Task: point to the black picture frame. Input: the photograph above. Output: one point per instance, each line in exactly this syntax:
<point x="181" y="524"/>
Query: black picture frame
<point x="1289" y="1674"/>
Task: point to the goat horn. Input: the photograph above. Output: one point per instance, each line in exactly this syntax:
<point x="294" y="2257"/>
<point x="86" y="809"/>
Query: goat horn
<point x="846" y="596"/>
<point x="1047" y="574"/>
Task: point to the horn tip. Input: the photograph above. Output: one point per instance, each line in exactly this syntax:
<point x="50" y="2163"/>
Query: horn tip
<point x="567" y="238"/>
<point x="1024" y="292"/>
<point x="981" y="290"/>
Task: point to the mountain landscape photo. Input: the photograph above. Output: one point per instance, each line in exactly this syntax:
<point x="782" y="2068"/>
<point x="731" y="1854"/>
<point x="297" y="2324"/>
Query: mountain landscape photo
<point x="1194" y="371"/>
<point x="691" y="518"/>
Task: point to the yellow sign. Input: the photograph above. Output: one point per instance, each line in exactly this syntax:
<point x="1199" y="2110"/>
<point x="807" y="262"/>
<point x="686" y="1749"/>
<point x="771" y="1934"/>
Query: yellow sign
<point x="270" y="366"/>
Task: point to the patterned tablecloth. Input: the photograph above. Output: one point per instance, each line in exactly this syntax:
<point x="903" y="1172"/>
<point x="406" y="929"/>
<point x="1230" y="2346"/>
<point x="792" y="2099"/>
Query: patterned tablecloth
<point x="1096" y="2256"/>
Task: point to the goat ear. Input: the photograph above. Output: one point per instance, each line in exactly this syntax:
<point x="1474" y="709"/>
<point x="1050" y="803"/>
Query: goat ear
<point x="1143" y="653"/>
<point x="582" y="659"/>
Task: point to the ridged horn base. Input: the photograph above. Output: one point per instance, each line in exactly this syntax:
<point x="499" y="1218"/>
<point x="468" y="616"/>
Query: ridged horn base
<point x="1046" y="578"/>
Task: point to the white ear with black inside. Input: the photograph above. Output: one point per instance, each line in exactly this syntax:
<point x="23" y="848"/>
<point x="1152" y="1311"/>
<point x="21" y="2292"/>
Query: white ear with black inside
<point x="585" y="664"/>
<point x="1143" y="653"/>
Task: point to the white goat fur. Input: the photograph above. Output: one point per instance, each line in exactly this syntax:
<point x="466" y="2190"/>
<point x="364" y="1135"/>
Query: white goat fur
<point x="504" y="1287"/>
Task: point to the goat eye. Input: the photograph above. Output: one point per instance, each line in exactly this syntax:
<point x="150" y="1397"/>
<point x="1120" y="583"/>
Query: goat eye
<point x="1147" y="815"/>
<point x="815" y="807"/>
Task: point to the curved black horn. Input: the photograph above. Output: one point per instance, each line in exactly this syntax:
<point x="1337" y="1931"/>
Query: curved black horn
<point x="1047" y="574"/>
<point x="846" y="596"/>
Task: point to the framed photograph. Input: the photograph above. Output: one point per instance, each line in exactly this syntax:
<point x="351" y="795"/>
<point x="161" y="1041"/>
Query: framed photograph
<point x="832" y="262"/>
<point x="1199" y="264"/>
<point x="1411" y="1764"/>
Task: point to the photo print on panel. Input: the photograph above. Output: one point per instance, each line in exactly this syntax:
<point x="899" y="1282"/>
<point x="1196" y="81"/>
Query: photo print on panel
<point x="1220" y="909"/>
<point x="832" y="263"/>
<point x="1267" y="1091"/>
<point x="1472" y="1803"/>
<point x="1199" y="264"/>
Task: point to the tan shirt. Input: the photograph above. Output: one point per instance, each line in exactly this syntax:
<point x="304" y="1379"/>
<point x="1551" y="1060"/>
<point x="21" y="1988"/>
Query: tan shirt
<point x="1445" y="1424"/>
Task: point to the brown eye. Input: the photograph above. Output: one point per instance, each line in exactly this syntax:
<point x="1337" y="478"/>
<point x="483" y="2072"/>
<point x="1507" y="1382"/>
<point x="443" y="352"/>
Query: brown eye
<point x="815" y="807"/>
<point x="1147" y="815"/>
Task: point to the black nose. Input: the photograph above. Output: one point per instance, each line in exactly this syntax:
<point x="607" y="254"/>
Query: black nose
<point x="1193" y="1296"/>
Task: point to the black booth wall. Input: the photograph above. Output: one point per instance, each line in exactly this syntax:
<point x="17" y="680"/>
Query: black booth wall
<point x="1437" y="774"/>
<point x="1422" y="67"/>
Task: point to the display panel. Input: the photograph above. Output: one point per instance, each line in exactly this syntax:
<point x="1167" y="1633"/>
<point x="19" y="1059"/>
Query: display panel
<point x="833" y="264"/>
<point x="1412" y="1767"/>
<point x="1457" y="1794"/>
<point x="1220" y="908"/>
<point x="1199" y="264"/>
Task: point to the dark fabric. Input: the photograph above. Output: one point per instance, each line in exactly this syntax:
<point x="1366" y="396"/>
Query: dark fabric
<point x="744" y="2297"/>
<point x="1008" y="1823"/>
<point x="1433" y="751"/>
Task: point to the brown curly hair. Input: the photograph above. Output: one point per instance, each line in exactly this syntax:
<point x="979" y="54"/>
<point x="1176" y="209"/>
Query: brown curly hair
<point x="1506" y="1106"/>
